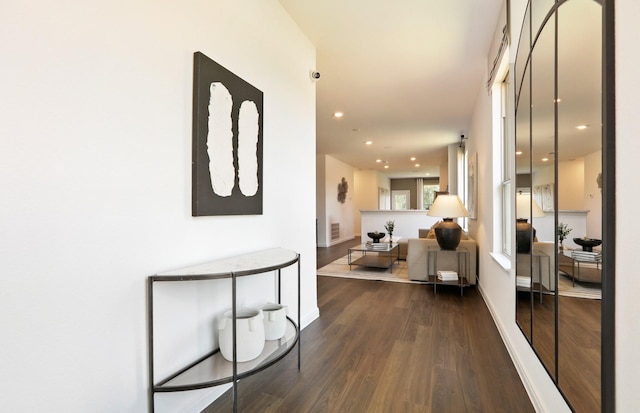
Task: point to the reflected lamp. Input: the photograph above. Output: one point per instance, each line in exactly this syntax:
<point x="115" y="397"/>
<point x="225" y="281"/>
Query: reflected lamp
<point x="526" y="208"/>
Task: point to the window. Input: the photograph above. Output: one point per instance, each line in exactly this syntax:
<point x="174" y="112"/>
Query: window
<point x="506" y="195"/>
<point x="400" y="199"/>
<point x="429" y="194"/>
<point x="502" y="170"/>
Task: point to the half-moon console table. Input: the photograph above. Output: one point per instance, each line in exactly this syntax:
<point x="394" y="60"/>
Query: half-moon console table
<point x="212" y="369"/>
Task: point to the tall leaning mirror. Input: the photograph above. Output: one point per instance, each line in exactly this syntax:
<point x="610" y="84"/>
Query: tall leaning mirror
<point x="543" y="185"/>
<point x="579" y="174"/>
<point x="524" y="294"/>
<point x="560" y="168"/>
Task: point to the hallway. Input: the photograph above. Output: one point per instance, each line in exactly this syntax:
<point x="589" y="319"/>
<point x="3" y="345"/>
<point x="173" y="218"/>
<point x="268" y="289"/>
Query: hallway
<point x="389" y="347"/>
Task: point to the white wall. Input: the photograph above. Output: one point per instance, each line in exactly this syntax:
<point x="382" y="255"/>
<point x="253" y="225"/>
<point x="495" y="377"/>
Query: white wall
<point x="365" y="193"/>
<point x="322" y="235"/>
<point x="406" y="222"/>
<point x="335" y="211"/>
<point x="95" y="159"/>
<point x="627" y="201"/>
<point x="571" y="184"/>
<point x="593" y="194"/>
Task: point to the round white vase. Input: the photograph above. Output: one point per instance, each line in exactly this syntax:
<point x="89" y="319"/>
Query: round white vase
<point x="249" y="334"/>
<point x="275" y="321"/>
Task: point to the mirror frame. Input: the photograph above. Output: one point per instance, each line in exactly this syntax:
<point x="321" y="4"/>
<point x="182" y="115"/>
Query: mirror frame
<point x="608" y="328"/>
<point x="608" y="318"/>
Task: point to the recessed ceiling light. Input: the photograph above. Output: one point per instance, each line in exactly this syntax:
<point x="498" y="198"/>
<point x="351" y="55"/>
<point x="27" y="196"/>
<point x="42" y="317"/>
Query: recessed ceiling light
<point x="378" y="160"/>
<point x="545" y="159"/>
<point x="413" y="158"/>
<point x="557" y="100"/>
<point x="581" y="127"/>
<point x="338" y="114"/>
<point x="518" y="152"/>
<point x="427" y="174"/>
<point x="417" y="165"/>
<point x="386" y="167"/>
<point x="368" y="142"/>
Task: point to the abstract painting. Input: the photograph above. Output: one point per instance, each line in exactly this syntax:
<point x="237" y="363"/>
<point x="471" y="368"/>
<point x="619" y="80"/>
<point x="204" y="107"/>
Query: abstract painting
<point x="227" y="142"/>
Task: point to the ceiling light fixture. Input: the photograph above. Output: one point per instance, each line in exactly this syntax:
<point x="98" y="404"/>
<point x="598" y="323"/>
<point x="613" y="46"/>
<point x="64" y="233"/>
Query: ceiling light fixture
<point x="545" y="159"/>
<point x="417" y="165"/>
<point x="518" y="152"/>
<point x="386" y="167"/>
<point x="368" y="142"/>
<point x="413" y="158"/>
<point x="338" y="114"/>
<point x="581" y="127"/>
<point x="378" y="160"/>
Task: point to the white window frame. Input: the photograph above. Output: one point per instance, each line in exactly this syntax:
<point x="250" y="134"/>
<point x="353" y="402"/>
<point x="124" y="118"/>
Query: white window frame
<point x="503" y="171"/>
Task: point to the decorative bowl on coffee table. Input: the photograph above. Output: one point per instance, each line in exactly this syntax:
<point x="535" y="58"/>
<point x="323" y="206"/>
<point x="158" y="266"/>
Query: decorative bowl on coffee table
<point x="587" y="244"/>
<point x="376" y="236"/>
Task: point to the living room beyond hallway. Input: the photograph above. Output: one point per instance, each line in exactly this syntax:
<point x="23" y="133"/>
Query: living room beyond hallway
<point x="389" y="347"/>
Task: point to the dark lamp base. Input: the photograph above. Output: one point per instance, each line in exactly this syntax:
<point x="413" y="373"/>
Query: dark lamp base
<point x="448" y="234"/>
<point x="525" y="234"/>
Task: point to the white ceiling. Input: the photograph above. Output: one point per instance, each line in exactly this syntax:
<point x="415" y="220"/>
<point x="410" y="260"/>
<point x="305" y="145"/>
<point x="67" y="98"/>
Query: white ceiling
<point x="406" y="75"/>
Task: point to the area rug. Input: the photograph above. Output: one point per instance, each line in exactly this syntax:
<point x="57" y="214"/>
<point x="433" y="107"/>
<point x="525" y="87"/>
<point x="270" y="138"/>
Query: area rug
<point x="580" y="290"/>
<point x="340" y="268"/>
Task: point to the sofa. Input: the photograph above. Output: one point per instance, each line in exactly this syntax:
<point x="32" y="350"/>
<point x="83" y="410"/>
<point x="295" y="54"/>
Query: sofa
<point x="417" y="256"/>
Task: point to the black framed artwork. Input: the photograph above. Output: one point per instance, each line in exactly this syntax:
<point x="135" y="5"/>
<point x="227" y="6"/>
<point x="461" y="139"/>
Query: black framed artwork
<point x="227" y="142"/>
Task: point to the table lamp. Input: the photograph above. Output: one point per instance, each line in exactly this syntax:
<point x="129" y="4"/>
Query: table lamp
<point x="448" y="232"/>
<point x="525" y="233"/>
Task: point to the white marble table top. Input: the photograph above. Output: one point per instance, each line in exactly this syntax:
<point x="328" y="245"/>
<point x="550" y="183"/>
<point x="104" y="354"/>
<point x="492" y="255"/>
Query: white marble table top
<point x="251" y="263"/>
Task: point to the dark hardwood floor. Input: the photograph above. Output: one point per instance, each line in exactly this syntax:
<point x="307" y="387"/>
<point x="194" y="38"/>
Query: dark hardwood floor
<point x="389" y="347"/>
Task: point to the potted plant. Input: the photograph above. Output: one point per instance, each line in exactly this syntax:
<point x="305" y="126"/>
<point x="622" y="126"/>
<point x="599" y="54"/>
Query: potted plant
<point x="563" y="232"/>
<point x="389" y="227"/>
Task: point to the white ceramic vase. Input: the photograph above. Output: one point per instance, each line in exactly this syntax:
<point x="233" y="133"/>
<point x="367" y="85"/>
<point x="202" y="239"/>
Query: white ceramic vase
<point x="275" y="321"/>
<point x="249" y="334"/>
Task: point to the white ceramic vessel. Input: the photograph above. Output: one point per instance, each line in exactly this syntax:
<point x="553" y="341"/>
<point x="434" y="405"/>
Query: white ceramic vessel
<point x="275" y="321"/>
<point x="249" y="334"/>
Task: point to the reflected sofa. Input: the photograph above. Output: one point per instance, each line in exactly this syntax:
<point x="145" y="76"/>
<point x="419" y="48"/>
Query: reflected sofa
<point x="544" y="261"/>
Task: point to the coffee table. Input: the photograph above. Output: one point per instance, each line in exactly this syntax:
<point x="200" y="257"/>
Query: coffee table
<point x="579" y="268"/>
<point x="375" y="255"/>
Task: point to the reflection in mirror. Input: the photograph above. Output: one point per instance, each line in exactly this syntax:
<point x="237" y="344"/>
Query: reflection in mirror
<point x="579" y="190"/>
<point x="524" y="293"/>
<point x="539" y="10"/>
<point x="522" y="58"/>
<point x="543" y="185"/>
<point x="559" y="167"/>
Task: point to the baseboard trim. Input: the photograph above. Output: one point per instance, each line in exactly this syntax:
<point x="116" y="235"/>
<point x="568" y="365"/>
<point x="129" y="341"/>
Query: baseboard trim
<point x="309" y="318"/>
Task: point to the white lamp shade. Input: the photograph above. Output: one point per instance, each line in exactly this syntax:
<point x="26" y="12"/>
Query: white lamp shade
<point x="527" y="207"/>
<point x="448" y="206"/>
